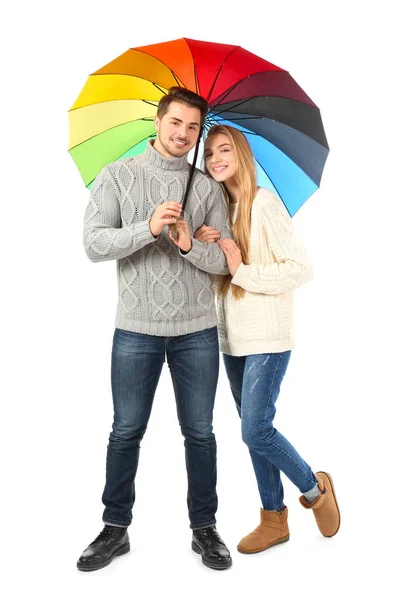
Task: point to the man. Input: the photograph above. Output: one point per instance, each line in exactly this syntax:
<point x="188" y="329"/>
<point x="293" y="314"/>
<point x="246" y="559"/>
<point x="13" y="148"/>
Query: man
<point x="166" y="308"/>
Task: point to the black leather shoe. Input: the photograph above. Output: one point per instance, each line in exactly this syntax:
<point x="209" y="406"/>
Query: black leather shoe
<point x="111" y="542"/>
<point x="214" y="553"/>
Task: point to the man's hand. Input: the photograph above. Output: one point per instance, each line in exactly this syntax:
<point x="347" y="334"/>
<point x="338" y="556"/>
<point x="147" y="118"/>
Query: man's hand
<point x="183" y="241"/>
<point x="233" y="255"/>
<point x="207" y="234"/>
<point x="165" y="214"/>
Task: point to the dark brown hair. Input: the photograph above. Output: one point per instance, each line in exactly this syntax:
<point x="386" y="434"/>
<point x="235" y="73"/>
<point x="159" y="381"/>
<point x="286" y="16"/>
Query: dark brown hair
<point x="184" y="96"/>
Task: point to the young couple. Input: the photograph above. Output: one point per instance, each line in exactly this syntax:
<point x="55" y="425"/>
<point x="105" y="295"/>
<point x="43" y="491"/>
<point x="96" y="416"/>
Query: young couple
<point x="167" y="309"/>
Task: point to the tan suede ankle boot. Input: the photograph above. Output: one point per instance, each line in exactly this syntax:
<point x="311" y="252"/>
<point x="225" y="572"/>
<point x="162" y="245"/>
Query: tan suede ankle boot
<point x="273" y="529"/>
<point x="325" y="507"/>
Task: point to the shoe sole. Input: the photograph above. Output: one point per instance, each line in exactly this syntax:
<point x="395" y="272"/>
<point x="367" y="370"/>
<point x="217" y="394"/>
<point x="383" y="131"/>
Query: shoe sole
<point x="123" y="550"/>
<point x="196" y="549"/>
<point x="281" y="541"/>
<point x="336" y="502"/>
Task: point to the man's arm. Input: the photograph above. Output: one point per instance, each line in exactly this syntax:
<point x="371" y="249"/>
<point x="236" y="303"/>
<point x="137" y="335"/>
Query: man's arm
<point x="103" y="236"/>
<point x="209" y="256"/>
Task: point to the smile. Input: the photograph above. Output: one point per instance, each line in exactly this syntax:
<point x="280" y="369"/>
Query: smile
<point x="219" y="169"/>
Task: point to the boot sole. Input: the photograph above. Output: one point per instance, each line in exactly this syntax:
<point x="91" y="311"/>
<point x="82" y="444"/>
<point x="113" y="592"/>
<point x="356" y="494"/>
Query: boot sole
<point x="281" y="541"/>
<point x="196" y="549"/>
<point x="336" y="502"/>
<point x="123" y="550"/>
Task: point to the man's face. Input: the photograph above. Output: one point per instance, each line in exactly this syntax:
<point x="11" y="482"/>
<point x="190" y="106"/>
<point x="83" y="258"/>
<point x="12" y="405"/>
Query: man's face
<point x="177" y="130"/>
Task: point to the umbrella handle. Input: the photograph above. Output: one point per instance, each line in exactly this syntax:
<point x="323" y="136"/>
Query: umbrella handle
<point x="174" y="231"/>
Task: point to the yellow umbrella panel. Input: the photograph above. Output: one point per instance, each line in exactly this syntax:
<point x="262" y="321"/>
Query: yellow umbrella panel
<point x="104" y="132"/>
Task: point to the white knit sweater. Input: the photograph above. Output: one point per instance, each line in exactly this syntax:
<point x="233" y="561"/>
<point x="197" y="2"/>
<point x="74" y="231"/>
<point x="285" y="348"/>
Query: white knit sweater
<point x="262" y="321"/>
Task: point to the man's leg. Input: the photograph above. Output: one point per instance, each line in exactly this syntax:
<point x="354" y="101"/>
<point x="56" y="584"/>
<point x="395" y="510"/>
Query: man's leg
<point x="137" y="362"/>
<point x="136" y="366"/>
<point x="193" y="360"/>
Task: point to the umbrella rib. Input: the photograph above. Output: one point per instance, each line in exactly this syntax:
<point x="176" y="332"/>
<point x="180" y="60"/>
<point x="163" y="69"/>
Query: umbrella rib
<point x="258" y="117"/>
<point x="137" y="77"/>
<point x="176" y="79"/>
<point x="219" y="71"/>
<point x="160" y="61"/>
<point x="209" y="123"/>
<point x="229" y="90"/>
<point x="276" y="96"/>
<point x="234" y="106"/>
<point x="194" y="66"/>
<point x="158" y="87"/>
<point x="227" y="93"/>
<point x="216" y="122"/>
<point x="115" y="100"/>
<point x="124" y="75"/>
<point x="110" y="129"/>
<point x="248" y="119"/>
<point x="245" y="118"/>
<point x="195" y="78"/>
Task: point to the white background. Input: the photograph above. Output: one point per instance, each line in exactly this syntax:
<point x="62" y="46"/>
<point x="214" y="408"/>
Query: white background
<point x="339" y="398"/>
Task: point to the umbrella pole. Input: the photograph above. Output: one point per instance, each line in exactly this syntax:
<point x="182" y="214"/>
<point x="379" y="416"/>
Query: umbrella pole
<point x="173" y="228"/>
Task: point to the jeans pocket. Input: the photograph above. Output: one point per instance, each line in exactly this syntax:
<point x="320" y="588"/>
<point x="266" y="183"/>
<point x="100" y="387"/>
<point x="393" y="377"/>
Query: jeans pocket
<point x="210" y="336"/>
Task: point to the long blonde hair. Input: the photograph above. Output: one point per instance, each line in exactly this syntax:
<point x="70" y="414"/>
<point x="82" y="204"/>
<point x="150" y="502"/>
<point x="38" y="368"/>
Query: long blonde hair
<point x="246" y="180"/>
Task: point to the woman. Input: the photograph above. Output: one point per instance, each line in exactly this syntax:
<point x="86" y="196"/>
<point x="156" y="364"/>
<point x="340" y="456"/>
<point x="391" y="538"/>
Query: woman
<point x="266" y="263"/>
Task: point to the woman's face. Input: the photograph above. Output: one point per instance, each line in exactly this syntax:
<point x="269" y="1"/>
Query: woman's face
<point x="220" y="158"/>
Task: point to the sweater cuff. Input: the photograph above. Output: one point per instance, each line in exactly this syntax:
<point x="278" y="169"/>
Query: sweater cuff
<point x="196" y="252"/>
<point x="143" y="232"/>
<point x="240" y="278"/>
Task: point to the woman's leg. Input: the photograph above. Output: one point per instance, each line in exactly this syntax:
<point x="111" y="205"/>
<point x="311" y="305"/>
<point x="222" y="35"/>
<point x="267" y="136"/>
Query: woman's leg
<point x="267" y="474"/>
<point x="262" y="379"/>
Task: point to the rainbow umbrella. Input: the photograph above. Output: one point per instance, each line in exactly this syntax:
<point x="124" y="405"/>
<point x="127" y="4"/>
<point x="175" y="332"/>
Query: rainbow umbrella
<point x="112" y="118"/>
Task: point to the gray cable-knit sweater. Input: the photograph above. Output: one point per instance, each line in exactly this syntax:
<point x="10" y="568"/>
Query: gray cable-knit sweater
<point x="161" y="290"/>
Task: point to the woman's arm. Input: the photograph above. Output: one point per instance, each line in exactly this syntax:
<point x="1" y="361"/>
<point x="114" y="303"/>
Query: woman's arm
<point x="292" y="267"/>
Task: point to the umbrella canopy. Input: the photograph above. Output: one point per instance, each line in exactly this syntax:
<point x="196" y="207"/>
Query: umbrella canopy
<point x="112" y="118"/>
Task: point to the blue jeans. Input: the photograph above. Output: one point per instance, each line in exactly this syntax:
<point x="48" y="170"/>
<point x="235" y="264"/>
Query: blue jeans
<point x="137" y="361"/>
<point x="255" y="382"/>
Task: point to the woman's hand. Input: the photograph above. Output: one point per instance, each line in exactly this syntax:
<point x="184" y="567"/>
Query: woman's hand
<point x="184" y="240"/>
<point x="233" y="255"/>
<point x="207" y="234"/>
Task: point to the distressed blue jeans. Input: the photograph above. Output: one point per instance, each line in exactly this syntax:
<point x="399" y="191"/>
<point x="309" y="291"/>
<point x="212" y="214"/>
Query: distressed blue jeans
<point x="255" y="382"/>
<point x="137" y="361"/>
